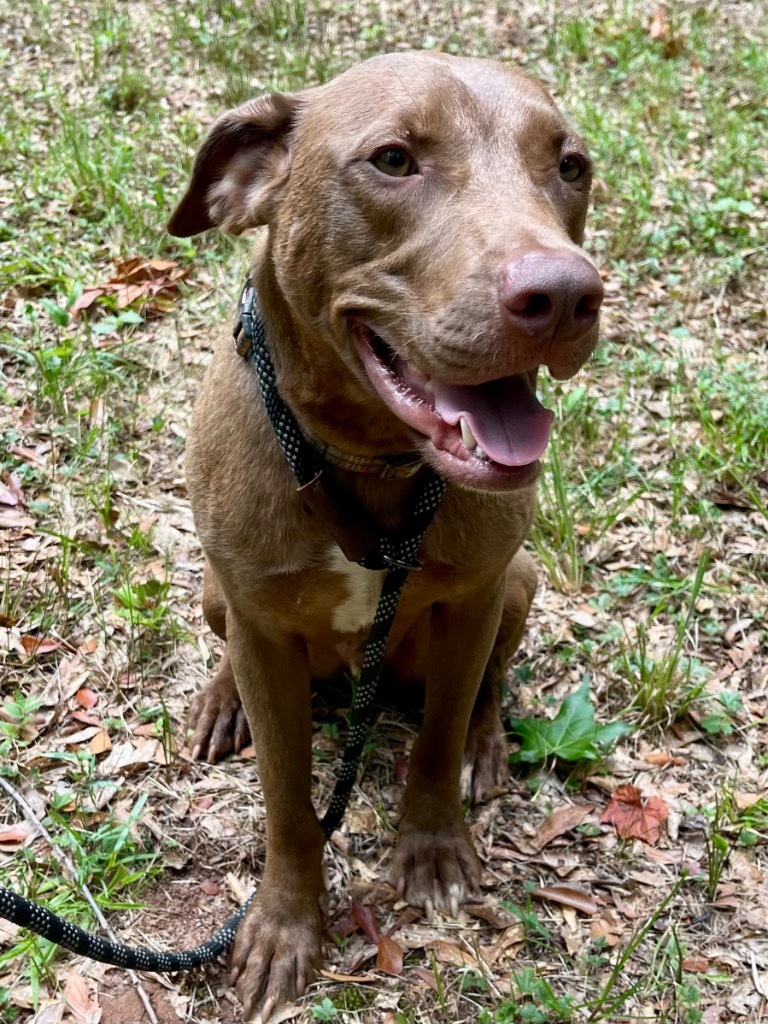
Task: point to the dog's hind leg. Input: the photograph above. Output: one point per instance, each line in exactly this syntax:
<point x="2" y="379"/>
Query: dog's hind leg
<point x="216" y="713"/>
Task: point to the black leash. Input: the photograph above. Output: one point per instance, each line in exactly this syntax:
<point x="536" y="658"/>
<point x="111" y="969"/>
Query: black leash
<point x="395" y="555"/>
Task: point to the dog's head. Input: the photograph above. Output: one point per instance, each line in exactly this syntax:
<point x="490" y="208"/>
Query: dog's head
<point x="425" y="216"/>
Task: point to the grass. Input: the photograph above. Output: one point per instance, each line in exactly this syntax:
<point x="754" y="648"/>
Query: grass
<point x="651" y="532"/>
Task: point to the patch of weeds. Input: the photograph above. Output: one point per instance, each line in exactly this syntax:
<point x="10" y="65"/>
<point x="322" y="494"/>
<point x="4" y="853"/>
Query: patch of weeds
<point x="720" y="718"/>
<point x="731" y="402"/>
<point x="16" y="730"/>
<point x="572" y="736"/>
<point x="151" y="623"/>
<point x="729" y="825"/>
<point x="555" y="536"/>
<point x="110" y="859"/>
<point x="536" y="933"/>
<point x="665" y="686"/>
<point x="533" y="1002"/>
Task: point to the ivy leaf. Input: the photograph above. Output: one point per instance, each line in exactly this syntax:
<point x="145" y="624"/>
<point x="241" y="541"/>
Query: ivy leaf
<point x="573" y="735"/>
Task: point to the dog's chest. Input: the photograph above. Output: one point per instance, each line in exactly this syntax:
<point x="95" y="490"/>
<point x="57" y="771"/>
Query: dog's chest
<point x="357" y="608"/>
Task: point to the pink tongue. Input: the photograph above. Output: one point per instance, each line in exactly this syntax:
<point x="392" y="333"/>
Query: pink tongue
<point x="508" y="421"/>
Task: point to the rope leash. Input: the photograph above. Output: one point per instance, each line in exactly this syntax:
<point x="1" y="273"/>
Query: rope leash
<point x="396" y="555"/>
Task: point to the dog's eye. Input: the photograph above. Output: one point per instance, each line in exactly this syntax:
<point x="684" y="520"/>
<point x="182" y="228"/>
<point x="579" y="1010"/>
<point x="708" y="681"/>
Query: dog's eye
<point x="572" y="168"/>
<point x="395" y="162"/>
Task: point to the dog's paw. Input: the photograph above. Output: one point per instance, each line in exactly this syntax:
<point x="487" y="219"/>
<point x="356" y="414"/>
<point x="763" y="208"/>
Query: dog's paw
<point x="218" y="720"/>
<point x="276" y="953"/>
<point x="435" y="869"/>
<point x="486" y="764"/>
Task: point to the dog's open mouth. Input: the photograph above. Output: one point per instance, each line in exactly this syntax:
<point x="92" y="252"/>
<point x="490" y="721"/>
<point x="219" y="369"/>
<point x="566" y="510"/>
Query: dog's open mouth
<point x="486" y="435"/>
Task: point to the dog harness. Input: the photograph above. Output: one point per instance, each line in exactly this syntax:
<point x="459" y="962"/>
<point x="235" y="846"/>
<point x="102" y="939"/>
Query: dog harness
<point x="397" y="555"/>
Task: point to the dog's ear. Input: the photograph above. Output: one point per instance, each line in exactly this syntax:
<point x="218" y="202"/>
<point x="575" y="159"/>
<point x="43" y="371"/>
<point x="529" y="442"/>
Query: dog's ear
<point x="239" y="169"/>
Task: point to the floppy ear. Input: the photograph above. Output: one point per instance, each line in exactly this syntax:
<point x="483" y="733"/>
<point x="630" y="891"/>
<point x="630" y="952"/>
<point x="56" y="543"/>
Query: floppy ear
<point x="240" y="168"/>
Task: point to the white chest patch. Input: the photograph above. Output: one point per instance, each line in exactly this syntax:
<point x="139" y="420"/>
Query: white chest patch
<point x="356" y="611"/>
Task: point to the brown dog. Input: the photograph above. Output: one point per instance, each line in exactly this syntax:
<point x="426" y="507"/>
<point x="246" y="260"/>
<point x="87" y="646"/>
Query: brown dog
<point x="421" y="262"/>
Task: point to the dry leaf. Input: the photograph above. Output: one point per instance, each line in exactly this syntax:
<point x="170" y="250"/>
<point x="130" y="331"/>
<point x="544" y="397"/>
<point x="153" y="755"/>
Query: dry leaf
<point x="153" y="282"/>
<point x="696" y="964"/>
<point x="364" y="919"/>
<point x="80" y="995"/>
<point x="390" y="956"/>
<point x="13" y="834"/>
<point x="100" y="743"/>
<point x="633" y="818"/>
<point x="659" y="27"/>
<point x="37" y="645"/>
<point x="10" y="490"/>
<point x="360" y="979"/>
<point x="86" y="698"/>
<point x="450" y="953"/>
<point x="662" y="758"/>
<point x="428" y="977"/>
<point x="567" y="896"/>
<point x="559" y="822"/>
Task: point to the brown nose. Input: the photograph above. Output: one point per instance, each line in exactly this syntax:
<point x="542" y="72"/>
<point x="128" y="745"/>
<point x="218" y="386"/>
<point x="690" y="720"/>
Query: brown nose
<point x="550" y="293"/>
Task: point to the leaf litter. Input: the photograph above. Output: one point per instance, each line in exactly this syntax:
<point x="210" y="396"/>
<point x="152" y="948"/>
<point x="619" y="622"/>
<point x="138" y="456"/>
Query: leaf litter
<point x="573" y="856"/>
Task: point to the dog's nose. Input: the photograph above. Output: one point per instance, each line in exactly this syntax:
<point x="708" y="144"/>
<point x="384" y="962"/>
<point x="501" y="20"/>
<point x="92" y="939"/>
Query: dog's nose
<point x="549" y="294"/>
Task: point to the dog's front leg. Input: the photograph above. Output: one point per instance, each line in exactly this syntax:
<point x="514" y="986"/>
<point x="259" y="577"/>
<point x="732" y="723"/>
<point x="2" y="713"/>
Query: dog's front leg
<point x="278" y="944"/>
<point x="435" y="863"/>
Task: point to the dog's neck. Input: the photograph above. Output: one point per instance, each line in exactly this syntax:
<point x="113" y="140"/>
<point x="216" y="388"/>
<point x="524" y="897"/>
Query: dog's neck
<point x="330" y="400"/>
<point x="362" y="495"/>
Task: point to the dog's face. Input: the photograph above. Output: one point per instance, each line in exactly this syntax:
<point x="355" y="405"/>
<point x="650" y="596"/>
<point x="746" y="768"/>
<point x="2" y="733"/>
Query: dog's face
<point x="425" y="217"/>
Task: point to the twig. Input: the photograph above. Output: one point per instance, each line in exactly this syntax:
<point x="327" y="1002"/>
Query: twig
<point x="64" y="860"/>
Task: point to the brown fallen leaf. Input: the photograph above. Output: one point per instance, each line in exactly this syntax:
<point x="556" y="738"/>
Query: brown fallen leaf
<point x="155" y="283"/>
<point x="662" y="758"/>
<point x="428" y="977"/>
<point x="567" y="896"/>
<point x="39" y="645"/>
<point x="81" y="998"/>
<point x="364" y="918"/>
<point x="10" y="490"/>
<point x="13" y="834"/>
<point x="14" y="519"/>
<point x="86" y="698"/>
<point x="100" y="743"/>
<point x="559" y="822"/>
<point x="696" y="964"/>
<point x="633" y="817"/>
<point x="360" y="979"/>
<point x="659" y="27"/>
<point x="389" y="959"/>
<point x="451" y="953"/>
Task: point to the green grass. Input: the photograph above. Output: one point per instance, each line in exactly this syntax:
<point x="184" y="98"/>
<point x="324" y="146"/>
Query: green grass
<point x="652" y="528"/>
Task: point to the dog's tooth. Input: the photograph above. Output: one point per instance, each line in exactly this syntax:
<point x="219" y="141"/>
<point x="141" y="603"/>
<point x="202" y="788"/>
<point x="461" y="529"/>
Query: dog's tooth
<point x="467" y="437"/>
<point x="481" y="454"/>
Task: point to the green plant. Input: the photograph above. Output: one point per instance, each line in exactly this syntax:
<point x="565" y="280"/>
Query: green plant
<point x="721" y="714"/>
<point x="663" y="687"/>
<point x="572" y="736"/>
<point x="324" y="1010"/>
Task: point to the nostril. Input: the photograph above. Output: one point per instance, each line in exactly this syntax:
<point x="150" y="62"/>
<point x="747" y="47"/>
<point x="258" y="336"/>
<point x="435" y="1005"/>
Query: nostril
<point x="531" y="305"/>
<point x="587" y="307"/>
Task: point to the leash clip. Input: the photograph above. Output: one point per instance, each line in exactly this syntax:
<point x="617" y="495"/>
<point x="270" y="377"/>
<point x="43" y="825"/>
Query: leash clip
<point x="400" y="563"/>
<point x="243" y="329"/>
